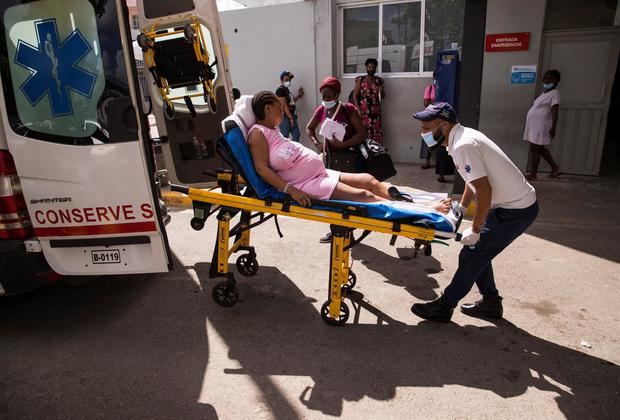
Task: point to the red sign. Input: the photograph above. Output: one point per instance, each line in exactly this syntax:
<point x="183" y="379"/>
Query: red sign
<point x="519" y="41"/>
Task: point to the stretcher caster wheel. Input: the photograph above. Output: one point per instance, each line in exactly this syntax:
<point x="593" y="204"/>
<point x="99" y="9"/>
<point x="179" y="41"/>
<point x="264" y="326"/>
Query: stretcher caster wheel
<point x="189" y="33"/>
<point x="210" y="100"/>
<point x="247" y="265"/>
<point x="342" y="318"/>
<point x="143" y="41"/>
<point x="351" y="282"/>
<point x="225" y="294"/>
<point x="169" y="111"/>
<point x="196" y="223"/>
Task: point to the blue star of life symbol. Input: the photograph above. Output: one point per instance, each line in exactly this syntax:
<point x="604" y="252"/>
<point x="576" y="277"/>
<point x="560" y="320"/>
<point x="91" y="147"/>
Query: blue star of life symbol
<point x="467" y="168"/>
<point x="54" y="67"/>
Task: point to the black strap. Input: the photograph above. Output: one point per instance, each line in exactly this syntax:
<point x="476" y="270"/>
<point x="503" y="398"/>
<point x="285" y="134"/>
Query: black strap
<point x="275" y="219"/>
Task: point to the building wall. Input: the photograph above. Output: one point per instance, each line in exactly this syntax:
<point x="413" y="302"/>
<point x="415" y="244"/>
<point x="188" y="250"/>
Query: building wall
<point x="503" y="105"/>
<point x="264" y="41"/>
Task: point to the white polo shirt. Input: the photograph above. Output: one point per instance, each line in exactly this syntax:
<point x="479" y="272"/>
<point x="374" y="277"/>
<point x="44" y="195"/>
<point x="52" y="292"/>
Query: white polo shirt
<point x="476" y="156"/>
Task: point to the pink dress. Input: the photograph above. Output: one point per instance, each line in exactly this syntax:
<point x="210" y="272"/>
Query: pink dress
<point x="299" y="166"/>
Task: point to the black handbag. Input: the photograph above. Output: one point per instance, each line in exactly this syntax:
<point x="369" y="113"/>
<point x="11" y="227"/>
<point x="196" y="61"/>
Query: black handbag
<point x="344" y="161"/>
<point x="376" y="160"/>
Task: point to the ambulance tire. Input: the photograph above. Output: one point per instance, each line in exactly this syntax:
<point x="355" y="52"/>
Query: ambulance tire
<point x="225" y="294"/>
<point x="351" y="282"/>
<point x="247" y="265"/>
<point x="342" y="318"/>
<point x="197" y="223"/>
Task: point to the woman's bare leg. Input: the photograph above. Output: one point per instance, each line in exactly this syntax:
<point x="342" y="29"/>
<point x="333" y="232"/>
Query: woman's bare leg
<point x="365" y="182"/>
<point x="349" y="193"/>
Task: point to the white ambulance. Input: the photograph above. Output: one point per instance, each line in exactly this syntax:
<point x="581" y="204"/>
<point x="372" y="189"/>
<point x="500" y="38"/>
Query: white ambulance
<point x="78" y="190"/>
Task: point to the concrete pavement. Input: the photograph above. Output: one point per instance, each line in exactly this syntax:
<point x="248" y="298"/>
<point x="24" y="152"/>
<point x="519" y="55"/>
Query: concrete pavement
<point x="158" y="347"/>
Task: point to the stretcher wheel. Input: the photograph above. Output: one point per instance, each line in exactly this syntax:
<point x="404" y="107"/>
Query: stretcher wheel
<point x="169" y="110"/>
<point x="342" y="318"/>
<point x="225" y="294"/>
<point x="247" y="265"/>
<point x="196" y="223"/>
<point x="189" y="33"/>
<point x="351" y="282"/>
<point x="143" y="41"/>
<point x="210" y="100"/>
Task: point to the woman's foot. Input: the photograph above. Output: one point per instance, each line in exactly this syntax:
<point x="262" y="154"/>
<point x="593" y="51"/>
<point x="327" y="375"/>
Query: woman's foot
<point x="426" y="166"/>
<point x="556" y="173"/>
<point x="530" y="177"/>
<point x="441" y="179"/>
<point x="442" y="206"/>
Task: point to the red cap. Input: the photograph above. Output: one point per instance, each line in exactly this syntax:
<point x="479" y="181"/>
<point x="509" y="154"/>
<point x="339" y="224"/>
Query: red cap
<point x="331" y="82"/>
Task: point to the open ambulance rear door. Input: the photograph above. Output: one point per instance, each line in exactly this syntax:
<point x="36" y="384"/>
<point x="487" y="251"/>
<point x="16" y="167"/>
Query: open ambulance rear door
<point x="188" y="139"/>
<point x="72" y="119"/>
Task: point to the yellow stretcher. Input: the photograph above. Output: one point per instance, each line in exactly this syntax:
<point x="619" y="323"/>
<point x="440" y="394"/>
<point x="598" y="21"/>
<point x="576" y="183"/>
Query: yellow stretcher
<point x="236" y="195"/>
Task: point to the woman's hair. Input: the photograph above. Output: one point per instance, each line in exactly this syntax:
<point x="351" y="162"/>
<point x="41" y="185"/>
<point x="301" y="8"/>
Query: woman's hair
<point x="371" y="61"/>
<point x="555" y="74"/>
<point x="260" y="101"/>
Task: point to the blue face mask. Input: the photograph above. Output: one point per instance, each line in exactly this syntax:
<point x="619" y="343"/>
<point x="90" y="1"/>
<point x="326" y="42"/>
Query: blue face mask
<point x="329" y="104"/>
<point x="548" y="86"/>
<point x="430" y="140"/>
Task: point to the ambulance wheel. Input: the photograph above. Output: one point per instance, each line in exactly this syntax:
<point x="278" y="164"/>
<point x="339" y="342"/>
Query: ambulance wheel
<point x="196" y="223"/>
<point x="189" y="33"/>
<point x="342" y="318"/>
<point x="351" y="282"/>
<point x="210" y="100"/>
<point x="225" y="294"/>
<point x="247" y="265"/>
<point x="169" y="111"/>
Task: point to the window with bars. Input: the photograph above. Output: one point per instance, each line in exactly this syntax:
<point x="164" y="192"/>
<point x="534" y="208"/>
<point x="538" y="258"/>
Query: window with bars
<point x="391" y="32"/>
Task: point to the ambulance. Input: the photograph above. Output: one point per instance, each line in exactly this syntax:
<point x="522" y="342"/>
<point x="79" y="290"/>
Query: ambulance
<point x="79" y="193"/>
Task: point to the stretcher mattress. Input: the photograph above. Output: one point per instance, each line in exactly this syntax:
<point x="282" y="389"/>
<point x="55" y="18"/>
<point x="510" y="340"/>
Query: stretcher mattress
<point x="238" y="150"/>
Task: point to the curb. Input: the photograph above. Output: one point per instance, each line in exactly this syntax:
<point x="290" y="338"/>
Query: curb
<point x="176" y="199"/>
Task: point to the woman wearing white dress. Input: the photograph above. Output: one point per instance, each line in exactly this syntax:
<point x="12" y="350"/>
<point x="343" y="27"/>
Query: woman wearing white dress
<point x="541" y="122"/>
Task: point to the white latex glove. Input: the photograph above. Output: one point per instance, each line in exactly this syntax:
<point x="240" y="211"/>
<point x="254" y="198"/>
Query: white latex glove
<point x="469" y="237"/>
<point x="459" y="209"/>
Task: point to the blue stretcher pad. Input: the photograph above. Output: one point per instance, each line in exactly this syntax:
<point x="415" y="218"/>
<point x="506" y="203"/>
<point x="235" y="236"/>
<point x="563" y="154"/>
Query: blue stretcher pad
<point x="388" y="210"/>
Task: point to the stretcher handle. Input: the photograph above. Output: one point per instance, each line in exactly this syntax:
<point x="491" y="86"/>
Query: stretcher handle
<point x="210" y="173"/>
<point x="179" y="188"/>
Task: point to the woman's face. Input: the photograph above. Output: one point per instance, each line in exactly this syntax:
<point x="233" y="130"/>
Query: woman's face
<point x="550" y="78"/>
<point x="371" y="67"/>
<point x="274" y="113"/>
<point x="329" y="94"/>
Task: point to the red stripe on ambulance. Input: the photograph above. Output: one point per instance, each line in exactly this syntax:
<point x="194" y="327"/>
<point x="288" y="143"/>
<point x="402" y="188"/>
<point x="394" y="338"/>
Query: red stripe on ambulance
<point x="96" y="229"/>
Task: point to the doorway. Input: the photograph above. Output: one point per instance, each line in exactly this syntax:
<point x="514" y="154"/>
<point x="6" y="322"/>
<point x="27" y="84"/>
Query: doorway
<point x="587" y="60"/>
<point x="610" y="163"/>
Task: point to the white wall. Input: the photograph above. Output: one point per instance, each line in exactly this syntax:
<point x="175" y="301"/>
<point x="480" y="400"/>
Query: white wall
<point x="268" y="40"/>
<point x="503" y="106"/>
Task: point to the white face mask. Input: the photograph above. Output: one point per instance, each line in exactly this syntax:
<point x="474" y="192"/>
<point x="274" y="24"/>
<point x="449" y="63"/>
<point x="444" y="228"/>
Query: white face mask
<point x="429" y="139"/>
<point x="287" y="83"/>
<point x="329" y="104"/>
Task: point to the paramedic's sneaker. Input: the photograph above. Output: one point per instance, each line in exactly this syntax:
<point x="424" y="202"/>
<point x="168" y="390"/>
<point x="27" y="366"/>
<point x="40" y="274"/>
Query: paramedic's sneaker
<point x="433" y="311"/>
<point x="326" y="239"/>
<point x="484" y="308"/>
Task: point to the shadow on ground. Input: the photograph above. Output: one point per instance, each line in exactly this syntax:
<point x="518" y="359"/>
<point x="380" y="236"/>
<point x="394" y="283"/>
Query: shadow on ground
<point x="276" y="330"/>
<point x="115" y="347"/>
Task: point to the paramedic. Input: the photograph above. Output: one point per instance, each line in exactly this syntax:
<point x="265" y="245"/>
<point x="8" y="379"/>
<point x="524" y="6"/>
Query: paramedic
<point x="505" y="207"/>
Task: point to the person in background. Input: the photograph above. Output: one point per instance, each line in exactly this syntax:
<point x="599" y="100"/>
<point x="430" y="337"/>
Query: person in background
<point x="506" y="206"/>
<point x="289" y="124"/>
<point x="367" y="96"/>
<point x="429" y="98"/>
<point x="540" y="124"/>
<point x="236" y="94"/>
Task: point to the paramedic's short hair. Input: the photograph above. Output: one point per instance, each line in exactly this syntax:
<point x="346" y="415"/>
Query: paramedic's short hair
<point x="236" y="93"/>
<point x="261" y="100"/>
<point x="555" y="74"/>
<point x="371" y="61"/>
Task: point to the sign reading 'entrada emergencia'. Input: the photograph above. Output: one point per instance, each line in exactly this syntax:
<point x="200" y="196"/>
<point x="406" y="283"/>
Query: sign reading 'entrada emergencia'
<point x="518" y="41"/>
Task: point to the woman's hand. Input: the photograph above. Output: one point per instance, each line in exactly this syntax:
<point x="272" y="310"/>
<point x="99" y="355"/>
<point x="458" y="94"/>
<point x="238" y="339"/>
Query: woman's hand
<point x="442" y="206"/>
<point x="300" y="196"/>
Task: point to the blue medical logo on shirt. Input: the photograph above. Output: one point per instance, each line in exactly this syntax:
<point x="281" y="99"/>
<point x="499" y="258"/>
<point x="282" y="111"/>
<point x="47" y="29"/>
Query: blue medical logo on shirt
<point x="54" y="67"/>
<point x="468" y="168"/>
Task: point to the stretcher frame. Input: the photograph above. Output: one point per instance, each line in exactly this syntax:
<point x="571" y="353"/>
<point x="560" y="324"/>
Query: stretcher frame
<point x="229" y="201"/>
<point x="193" y="34"/>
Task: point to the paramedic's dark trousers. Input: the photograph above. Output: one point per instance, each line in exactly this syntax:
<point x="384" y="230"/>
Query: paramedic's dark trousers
<point x="501" y="228"/>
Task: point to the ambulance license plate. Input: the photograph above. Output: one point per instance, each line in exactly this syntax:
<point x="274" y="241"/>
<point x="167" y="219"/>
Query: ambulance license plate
<point x="106" y="256"/>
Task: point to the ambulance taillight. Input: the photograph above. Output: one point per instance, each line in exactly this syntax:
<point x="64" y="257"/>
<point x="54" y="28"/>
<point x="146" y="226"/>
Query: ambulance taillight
<point x="14" y="218"/>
